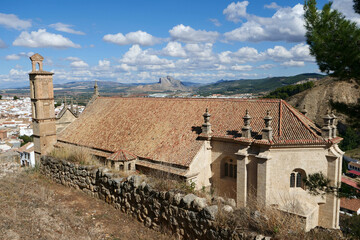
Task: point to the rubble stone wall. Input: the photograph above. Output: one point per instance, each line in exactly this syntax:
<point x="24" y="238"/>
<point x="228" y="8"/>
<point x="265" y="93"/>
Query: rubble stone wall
<point x="187" y="216"/>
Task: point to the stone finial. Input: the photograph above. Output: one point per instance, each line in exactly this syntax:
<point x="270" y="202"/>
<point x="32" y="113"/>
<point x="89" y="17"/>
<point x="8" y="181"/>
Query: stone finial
<point x="65" y="102"/>
<point x="37" y="59"/>
<point x="246" y="129"/>
<point x="267" y="131"/>
<point x="77" y="108"/>
<point x="206" y="126"/>
<point x="333" y="124"/>
<point x="96" y="90"/>
<point x="304" y="111"/>
<point x="326" y="130"/>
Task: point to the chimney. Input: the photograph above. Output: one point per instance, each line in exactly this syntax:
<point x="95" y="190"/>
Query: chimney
<point x="326" y="130"/>
<point x="333" y="123"/>
<point x="267" y="131"/>
<point x="96" y="90"/>
<point x="206" y="127"/>
<point x="304" y="111"/>
<point x="246" y="129"/>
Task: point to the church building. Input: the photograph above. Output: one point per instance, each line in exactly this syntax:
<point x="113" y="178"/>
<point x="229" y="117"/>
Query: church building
<point x="243" y="149"/>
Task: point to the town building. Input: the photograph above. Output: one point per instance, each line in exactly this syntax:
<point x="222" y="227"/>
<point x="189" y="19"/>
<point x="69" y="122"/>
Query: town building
<point x="246" y="149"/>
<point x="27" y="155"/>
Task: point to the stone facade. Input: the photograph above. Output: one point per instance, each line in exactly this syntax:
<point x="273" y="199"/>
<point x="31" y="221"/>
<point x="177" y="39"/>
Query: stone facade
<point x="187" y="216"/>
<point x="42" y="104"/>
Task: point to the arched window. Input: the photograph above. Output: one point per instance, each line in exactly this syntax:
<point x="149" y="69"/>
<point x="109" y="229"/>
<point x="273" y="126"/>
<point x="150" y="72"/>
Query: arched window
<point x="229" y="168"/>
<point x="292" y="180"/>
<point x="296" y="178"/>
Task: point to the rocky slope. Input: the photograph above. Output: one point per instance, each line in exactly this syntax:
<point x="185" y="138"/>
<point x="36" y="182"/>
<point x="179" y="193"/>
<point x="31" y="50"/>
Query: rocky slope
<point x="165" y="84"/>
<point x="317" y="99"/>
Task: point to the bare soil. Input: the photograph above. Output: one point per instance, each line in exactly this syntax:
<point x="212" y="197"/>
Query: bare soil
<point x="33" y="207"/>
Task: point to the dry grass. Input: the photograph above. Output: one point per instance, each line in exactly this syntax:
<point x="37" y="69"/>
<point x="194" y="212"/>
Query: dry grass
<point x="33" y="207"/>
<point x="164" y="181"/>
<point x="268" y="221"/>
<point x="77" y="155"/>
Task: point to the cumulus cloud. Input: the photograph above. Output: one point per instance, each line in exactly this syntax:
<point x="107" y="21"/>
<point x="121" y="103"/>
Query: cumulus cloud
<point x="215" y="22"/>
<point x="272" y="5"/>
<point x="42" y="38"/>
<point x="61" y="27"/>
<point x="287" y="24"/>
<point x="293" y="63"/>
<point x="12" y="21"/>
<point x="104" y="63"/>
<point x="18" y="56"/>
<point x="235" y="11"/>
<point x="12" y="57"/>
<point x="346" y="7"/>
<point x="72" y="59"/>
<point x="189" y="35"/>
<point x="137" y="56"/>
<point x="79" y="64"/>
<point x="242" y="67"/>
<point x="138" y="37"/>
<point x="174" y="49"/>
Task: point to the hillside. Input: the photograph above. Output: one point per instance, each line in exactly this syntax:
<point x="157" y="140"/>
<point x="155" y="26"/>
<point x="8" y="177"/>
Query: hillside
<point x="255" y="85"/>
<point x="317" y="99"/>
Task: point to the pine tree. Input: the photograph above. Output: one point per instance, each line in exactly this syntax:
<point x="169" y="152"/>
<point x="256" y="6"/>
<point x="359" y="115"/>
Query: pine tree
<point x="333" y="40"/>
<point x="356" y="6"/>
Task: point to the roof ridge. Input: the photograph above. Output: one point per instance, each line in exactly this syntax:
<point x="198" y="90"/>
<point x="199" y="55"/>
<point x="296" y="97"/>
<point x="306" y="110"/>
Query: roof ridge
<point x="296" y="115"/>
<point x="195" y="99"/>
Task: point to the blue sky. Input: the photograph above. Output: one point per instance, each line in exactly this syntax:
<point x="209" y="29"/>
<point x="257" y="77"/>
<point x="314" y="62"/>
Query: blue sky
<point x="141" y="40"/>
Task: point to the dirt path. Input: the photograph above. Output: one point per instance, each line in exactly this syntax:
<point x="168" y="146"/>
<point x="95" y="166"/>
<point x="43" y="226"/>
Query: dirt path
<point x="32" y="207"/>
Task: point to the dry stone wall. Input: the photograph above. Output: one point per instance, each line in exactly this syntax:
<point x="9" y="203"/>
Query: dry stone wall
<point x="187" y="216"/>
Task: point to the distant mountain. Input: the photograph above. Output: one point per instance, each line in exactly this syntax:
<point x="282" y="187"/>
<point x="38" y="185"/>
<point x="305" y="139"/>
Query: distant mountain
<point x="165" y="84"/>
<point x="230" y="87"/>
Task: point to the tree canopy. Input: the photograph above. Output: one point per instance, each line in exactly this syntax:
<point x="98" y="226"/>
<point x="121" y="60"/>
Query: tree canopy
<point x="333" y="40"/>
<point x="356" y="6"/>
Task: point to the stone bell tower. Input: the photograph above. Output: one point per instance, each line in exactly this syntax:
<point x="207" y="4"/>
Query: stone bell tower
<point x="42" y="105"/>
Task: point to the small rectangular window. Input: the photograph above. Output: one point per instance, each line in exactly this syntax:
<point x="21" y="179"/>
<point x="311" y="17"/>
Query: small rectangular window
<point x="235" y="171"/>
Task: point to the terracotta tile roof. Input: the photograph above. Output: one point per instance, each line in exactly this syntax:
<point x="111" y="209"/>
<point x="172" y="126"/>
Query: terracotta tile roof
<point x="354" y="172"/>
<point x="349" y="182"/>
<point x="166" y="129"/>
<point x="122" y="155"/>
<point x="351" y="204"/>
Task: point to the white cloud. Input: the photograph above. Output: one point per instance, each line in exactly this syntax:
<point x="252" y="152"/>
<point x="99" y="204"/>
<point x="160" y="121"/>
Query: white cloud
<point x="215" y="22"/>
<point x="12" y="57"/>
<point x="278" y="52"/>
<point x="126" y="68"/>
<point x="272" y="5"/>
<point x="287" y="24"/>
<point x="79" y="64"/>
<point x="137" y="56"/>
<point x="104" y="63"/>
<point x="266" y="66"/>
<point x="72" y="59"/>
<point x="65" y="28"/>
<point x="293" y="63"/>
<point x="174" y="49"/>
<point x="12" y="21"/>
<point x="235" y="11"/>
<point x="189" y="35"/>
<point x="41" y="38"/>
<point x="242" y="67"/>
<point x="138" y="37"/>
<point x="18" y="56"/>
<point x="346" y="7"/>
